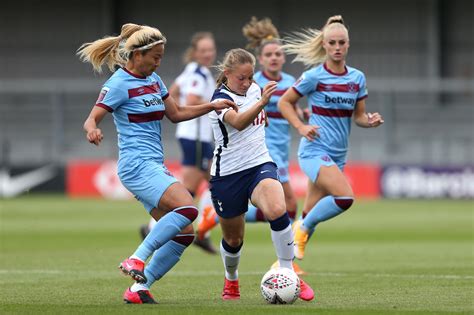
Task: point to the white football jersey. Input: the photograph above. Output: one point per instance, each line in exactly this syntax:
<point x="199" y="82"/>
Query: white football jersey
<point x="235" y="150"/>
<point x="197" y="80"/>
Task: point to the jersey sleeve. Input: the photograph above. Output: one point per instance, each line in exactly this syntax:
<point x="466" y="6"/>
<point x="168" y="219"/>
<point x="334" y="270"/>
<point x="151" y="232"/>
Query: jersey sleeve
<point x="163" y="89"/>
<point x="110" y="98"/>
<point x="363" y="93"/>
<point x="221" y="96"/>
<point x="305" y="84"/>
<point x="197" y="85"/>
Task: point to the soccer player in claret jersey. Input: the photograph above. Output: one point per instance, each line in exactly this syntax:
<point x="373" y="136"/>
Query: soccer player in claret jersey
<point x="138" y="100"/>
<point x="264" y="39"/>
<point x="243" y="170"/>
<point x="195" y="85"/>
<point x="336" y="93"/>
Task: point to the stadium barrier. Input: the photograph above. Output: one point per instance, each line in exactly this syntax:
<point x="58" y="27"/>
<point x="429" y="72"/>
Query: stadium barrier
<point x="98" y="178"/>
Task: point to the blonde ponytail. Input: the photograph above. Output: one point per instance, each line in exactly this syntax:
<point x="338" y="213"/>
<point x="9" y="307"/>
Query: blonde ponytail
<point x="308" y="44"/>
<point x="116" y="51"/>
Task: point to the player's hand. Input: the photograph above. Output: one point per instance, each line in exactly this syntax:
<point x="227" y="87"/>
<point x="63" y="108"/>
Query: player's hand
<point x="95" y="136"/>
<point x="310" y="132"/>
<point x="267" y="92"/>
<point x="374" y="119"/>
<point x="223" y="104"/>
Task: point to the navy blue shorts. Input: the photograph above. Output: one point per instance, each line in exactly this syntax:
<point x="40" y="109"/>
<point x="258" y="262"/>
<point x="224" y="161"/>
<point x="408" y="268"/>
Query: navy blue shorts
<point x="231" y="193"/>
<point x="196" y="153"/>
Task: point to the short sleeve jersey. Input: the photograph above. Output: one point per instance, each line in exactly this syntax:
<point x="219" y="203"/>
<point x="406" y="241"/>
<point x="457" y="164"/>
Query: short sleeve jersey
<point x="196" y="80"/>
<point x="331" y="99"/>
<point x="236" y="150"/>
<point x="137" y="106"/>
<point x="285" y="82"/>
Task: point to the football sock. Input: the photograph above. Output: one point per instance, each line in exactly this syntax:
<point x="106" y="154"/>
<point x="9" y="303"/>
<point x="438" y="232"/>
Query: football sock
<point x="166" y="257"/>
<point x="165" y="229"/>
<point x="254" y="214"/>
<point x="325" y="209"/>
<point x="282" y="237"/>
<point x="230" y="258"/>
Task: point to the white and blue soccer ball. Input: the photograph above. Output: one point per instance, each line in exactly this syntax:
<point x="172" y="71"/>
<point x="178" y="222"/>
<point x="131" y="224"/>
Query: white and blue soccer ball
<point x="280" y="286"/>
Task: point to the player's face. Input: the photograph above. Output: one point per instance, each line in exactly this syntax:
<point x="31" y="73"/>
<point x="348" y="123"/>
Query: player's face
<point x="205" y="53"/>
<point x="151" y="60"/>
<point x="272" y="58"/>
<point x="336" y="44"/>
<point x="240" y="78"/>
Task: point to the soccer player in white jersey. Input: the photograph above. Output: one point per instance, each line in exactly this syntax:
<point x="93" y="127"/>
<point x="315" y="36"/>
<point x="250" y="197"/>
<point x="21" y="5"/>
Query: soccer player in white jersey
<point x="336" y="93"/>
<point x="138" y="100"/>
<point x="195" y="85"/>
<point x="243" y="170"/>
<point x="264" y="39"/>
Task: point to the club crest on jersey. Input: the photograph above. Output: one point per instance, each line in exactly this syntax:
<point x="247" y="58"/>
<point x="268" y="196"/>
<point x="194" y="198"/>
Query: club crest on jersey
<point x="352" y="87"/>
<point x="102" y="94"/>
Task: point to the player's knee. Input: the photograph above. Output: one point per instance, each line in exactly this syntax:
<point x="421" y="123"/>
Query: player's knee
<point x="190" y="212"/>
<point x="344" y="202"/>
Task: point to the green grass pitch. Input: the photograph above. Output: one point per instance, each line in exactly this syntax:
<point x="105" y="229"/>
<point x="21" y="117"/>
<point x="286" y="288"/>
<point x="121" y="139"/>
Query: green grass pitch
<point x="381" y="257"/>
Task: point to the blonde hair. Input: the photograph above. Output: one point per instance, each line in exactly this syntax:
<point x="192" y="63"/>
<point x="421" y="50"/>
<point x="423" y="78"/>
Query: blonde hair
<point x="233" y="58"/>
<point x="260" y="33"/>
<point x="188" y="54"/>
<point x="308" y="44"/>
<point x="117" y="50"/>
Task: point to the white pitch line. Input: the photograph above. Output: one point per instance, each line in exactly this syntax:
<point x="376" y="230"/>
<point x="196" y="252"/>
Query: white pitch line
<point x="219" y="273"/>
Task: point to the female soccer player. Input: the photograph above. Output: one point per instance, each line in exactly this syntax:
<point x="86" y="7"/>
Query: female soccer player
<point x="263" y="37"/>
<point x="195" y="85"/>
<point x="138" y="100"/>
<point x="242" y="168"/>
<point x="335" y="92"/>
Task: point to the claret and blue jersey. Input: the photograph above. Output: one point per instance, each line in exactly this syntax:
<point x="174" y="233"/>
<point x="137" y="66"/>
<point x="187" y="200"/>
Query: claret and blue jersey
<point x="277" y="134"/>
<point x="137" y="106"/>
<point x="331" y="99"/>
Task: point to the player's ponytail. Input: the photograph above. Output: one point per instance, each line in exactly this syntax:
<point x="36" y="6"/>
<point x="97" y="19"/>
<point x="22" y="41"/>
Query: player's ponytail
<point x="260" y="33"/>
<point x="233" y="58"/>
<point x="308" y="44"/>
<point x="117" y="50"/>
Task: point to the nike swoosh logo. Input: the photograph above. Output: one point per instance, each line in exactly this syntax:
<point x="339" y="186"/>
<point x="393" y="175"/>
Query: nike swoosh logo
<point x="13" y="186"/>
<point x="264" y="171"/>
<point x="290" y="243"/>
<point x="128" y="265"/>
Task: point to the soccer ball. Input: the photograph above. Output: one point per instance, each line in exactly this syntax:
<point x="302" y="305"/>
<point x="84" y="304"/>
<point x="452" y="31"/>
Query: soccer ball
<point x="280" y="286"/>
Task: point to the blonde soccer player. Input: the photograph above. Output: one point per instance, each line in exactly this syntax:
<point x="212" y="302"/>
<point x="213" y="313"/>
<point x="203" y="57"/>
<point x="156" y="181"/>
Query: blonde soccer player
<point x="243" y="170"/>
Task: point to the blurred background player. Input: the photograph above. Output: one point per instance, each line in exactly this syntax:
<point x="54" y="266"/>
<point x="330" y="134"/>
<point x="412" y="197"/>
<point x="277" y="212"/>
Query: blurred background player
<point x="138" y="100"/>
<point x="264" y="39"/>
<point x="243" y="170"/>
<point x="335" y="92"/>
<point x="195" y="85"/>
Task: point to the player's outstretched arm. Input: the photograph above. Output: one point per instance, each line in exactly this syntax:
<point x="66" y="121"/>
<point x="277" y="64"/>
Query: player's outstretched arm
<point x="177" y="113"/>
<point x="240" y="121"/>
<point x="287" y="104"/>
<point x="366" y="120"/>
<point x="93" y="133"/>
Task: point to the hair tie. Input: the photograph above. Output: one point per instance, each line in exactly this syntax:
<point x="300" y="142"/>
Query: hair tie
<point x="269" y="37"/>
